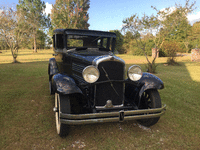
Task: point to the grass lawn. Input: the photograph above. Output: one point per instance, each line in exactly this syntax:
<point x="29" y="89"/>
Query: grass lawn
<point x="27" y="120"/>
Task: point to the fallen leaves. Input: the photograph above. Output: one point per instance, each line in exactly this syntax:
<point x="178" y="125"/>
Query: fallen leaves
<point x="78" y="144"/>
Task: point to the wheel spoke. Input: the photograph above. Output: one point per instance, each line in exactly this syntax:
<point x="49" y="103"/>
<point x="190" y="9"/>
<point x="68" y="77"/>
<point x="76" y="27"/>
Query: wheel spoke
<point x="145" y="95"/>
<point x="148" y="97"/>
<point x="149" y="104"/>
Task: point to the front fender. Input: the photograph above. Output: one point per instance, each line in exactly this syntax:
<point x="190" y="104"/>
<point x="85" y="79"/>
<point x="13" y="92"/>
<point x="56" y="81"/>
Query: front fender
<point x="53" y="68"/>
<point x="150" y="81"/>
<point x="64" y="84"/>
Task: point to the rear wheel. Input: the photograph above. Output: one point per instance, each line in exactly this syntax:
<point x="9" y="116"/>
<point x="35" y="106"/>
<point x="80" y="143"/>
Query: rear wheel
<point x="150" y="99"/>
<point x="62" y="104"/>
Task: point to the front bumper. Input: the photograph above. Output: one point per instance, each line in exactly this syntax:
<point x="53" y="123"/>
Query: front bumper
<point x="111" y="116"/>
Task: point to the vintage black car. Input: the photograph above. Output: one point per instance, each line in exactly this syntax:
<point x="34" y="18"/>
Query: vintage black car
<point x="90" y="83"/>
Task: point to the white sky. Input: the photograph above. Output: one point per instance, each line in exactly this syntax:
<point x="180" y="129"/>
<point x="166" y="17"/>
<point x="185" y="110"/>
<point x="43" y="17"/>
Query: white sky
<point x="48" y="8"/>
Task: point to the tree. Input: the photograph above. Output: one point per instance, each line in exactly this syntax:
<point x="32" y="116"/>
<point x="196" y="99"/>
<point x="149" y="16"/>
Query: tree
<point x="3" y="44"/>
<point x="119" y="42"/>
<point x="32" y="15"/>
<point x="168" y="24"/>
<point x="174" y="23"/>
<point x="70" y="14"/>
<point x="10" y="30"/>
<point x="170" y="49"/>
<point x="128" y="37"/>
<point x="142" y="30"/>
<point x="195" y="36"/>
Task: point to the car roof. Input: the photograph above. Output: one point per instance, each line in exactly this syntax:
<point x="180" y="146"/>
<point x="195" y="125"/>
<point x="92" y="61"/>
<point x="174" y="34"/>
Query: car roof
<point x="85" y="32"/>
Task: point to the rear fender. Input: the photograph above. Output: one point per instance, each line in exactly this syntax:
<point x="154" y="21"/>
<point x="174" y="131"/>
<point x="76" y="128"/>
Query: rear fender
<point x="64" y="84"/>
<point x="150" y="81"/>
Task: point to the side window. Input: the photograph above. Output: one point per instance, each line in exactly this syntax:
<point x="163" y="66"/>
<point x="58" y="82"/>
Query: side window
<point x="59" y="41"/>
<point x="74" y="43"/>
<point x="99" y="43"/>
<point x="106" y="43"/>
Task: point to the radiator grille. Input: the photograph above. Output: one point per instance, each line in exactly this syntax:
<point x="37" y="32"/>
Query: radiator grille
<point x="77" y="72"/>
<point x="108" y="91"/>
<point x="77" y="67"/>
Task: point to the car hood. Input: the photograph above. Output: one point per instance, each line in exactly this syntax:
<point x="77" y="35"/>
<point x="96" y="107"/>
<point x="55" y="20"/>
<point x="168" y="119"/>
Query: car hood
<point x="93" y="56"/>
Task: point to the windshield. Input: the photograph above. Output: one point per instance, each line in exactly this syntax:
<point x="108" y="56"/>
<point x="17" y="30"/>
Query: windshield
<point x="78" y="41"/>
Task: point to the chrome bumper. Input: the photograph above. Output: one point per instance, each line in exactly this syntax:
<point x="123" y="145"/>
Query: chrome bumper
<point x="111" y="116"/>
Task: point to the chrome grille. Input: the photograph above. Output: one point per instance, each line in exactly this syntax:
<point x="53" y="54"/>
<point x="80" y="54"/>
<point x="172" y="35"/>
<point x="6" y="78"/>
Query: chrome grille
<point x="111" y="90"/>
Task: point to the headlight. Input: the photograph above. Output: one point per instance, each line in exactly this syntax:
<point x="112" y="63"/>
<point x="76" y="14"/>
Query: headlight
<point x="90" y="74"/>
<point x="134" y="73"/>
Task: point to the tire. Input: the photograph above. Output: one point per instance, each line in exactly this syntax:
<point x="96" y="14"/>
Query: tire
<point x="51" y="88"/>
<point x="62" y="103"/>
<point x="150" y="99"/>
<point x="50" y="82"/>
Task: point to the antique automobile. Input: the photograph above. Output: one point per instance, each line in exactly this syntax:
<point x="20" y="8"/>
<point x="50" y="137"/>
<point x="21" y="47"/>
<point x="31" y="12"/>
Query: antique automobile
<point x="91" y="85"/>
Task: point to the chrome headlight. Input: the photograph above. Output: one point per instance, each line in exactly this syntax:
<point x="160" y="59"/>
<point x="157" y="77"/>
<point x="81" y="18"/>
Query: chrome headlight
<point x="134" y="73"/>
<point x="90" y="74"/>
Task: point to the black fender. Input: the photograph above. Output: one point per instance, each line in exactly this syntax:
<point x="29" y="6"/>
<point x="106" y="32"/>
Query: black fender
<point x="150" y="81"/>
<point x="64" y="84"/>
<point x="53" y="68"/>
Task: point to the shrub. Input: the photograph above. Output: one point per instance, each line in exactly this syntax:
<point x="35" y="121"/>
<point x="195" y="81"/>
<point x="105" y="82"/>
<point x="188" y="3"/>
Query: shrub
<point x="170" y="48"/>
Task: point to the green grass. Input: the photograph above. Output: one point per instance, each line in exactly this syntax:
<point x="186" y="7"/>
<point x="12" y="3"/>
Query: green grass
<point x="27" y="120"/>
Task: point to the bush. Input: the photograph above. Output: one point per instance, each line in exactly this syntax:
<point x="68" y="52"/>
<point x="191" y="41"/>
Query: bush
<point x="170" y="48"/>
<point x="151" y="67"/>
<point x="162" y="53"/>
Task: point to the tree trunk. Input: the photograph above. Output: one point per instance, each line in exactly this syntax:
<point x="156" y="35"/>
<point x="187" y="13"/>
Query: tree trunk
<point x="14" y="59"/>
<point x="35" y="48"/>
<point x="186" y="46"/>
<point x="14" y="55"/>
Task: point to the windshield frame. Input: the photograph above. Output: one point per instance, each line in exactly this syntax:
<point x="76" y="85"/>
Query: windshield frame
<point x="104" y="43"/>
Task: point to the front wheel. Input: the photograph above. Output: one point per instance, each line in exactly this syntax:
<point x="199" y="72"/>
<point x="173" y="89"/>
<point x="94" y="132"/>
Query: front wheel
<point x="62" y="104"/>
<point x="150" y="99"/>
<point x="51" y="88"/>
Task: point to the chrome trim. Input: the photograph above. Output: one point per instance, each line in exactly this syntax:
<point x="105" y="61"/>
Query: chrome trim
<point x="111" y="119"/>
<point x="111" y="116"/>
<point x="91" y="66"/>
<point x="130" y="69"/>
<point x="114" y="106"/>
<point x="103" y="58"/>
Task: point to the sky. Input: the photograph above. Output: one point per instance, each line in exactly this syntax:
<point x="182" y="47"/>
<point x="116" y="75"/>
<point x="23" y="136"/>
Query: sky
<point x="108" y="15"/>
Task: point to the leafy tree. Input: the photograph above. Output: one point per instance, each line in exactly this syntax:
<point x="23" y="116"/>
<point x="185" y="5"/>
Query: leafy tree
<point x="195" y="36"/>
<point x="127" y="44"/>
<point x="119" y="42"/>
<point x="3" y="44"/>
<point x="166" y="25"/>
<point x="142" y="30"/>
<point x="170" y="48"/>
<point x="32" y="14"/>
<point x="41" y="38"/>
<point x="174" y="23"/>
<point x="11" y="31"/>
<point x="70" y="14"/>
